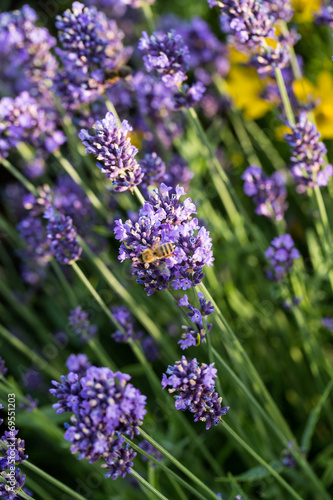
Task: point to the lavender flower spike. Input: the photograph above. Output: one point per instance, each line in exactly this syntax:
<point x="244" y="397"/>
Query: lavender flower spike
<point x="268" y="193"/>
<point x="106" y="407"/>
<point x="249" y="22"/>
<point x="281" y="255"/>
<point x="63" y="237"/>
<point x="114" y="152"/>
<point x="308" y="155"/>
<point x="195" y="385"/>
<point x="194" y="336"/>
<point x="166" y="55"/>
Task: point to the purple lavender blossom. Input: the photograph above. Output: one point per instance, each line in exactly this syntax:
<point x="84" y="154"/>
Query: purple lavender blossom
<point x="78" y="364"/>
<point x="17" y="446"/>
<point x="114" y="152"/>
<point x="207" y="53"/>
<point x="164" y="219"/>
<point x="27" y="62"/>
<point x="166" y="55"/>
<point x="188" y="96"/>
<point x="281" y="255"/>
<point x="194" y="336"/>
<point x="3" y="368"/>
<point x="308" y="155"/>
<point x="106" y="407"/>
<point x="195" y="385"/>
<point x="248" y="22"/>
<point x="120" y="461"/>
<point x="91" y="46"/>
<point x="63" y="238"/>
<point x="149" y="448"/>
<point x="79" y="321"/>
<point x="126" y="320"/>
<point x="22" y="119"/>
<point x="7" y="489"/>
<point x="325" y="16"/>
<point x="279" y="9"/>
<point x="268" y="193"/>
<point x="327" y="322"/>
<point x="268" y="58"/>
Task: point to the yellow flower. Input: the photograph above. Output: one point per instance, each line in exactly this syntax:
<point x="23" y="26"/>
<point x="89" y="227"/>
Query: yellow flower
<point x="244" y="86"/>
<point x="304" y="9"/>
<point x="322" y="92"/>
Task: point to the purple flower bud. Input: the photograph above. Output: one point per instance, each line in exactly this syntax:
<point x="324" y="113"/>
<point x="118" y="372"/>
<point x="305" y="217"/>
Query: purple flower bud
<point x="166" y="55"/>
<point x="195" y="385"/>
<point x="79" y="321"/>
<point x="268" y="193"/>
<point x="307" y="155"/>
<point x="63" y="238"/>
<point x="114" y="152"/>
<point x="281" y="255"/>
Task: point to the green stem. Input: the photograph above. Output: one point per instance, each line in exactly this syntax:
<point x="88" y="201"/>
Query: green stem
<point x="243" y="138"/>
<point x="78" y="180"/>
<point x="238" y="353"/>
<point x="149" y="16"/>
<point x="284" y="96"/>
<point x="64" y="283"/>
<point x="179" y="465"/>
<point x="52" y="480"/>
<point x="139" y="196"/>
<point x="27" y="184"/>
<point x="166" y="469"/>
<point x="273" y="472"/>
<point x="26" y="351"/>
<point x="148" y="485"/>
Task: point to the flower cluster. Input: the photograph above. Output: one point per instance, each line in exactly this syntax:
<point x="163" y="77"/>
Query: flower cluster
<point x="167" y="221"/>
<point x="106" y="407"/>
<point x="268" y="193"/>
<point x="194" y="336"/>
<point x="166" y="55"/>
<point x="195" y="385"/>
<point x="63" y="237"/>
<point x="308" y="155"/>
<point x="91" y="47"/>
<point x="281" y="255"/>
<point x="268" y="58"/>
<point x="79" y="321"/>
<point x="280" y="9"/>
<point x="248" y="22"/>
<point x="12" y="452"/>
<point x="26" y="58"/>
<point x="22" y="119"/>
<point x="124" y="317"/>
<point x="114" y="152"/>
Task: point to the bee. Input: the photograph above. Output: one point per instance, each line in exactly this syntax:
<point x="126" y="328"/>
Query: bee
<point x="111" y="77"/>
<point x="156" y="253"/>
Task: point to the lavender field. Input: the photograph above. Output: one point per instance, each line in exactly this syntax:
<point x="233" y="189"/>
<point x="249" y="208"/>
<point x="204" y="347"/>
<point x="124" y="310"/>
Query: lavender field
<point x="166" y="260"/>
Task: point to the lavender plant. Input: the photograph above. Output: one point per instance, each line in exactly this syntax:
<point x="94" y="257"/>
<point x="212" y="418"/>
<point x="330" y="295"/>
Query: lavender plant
<point x="188" y="109"/>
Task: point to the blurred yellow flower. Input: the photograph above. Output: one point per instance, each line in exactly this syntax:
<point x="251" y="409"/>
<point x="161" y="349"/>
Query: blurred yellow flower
<point x="304" y="9"/>
<point x="244" y="86"/>
<point x="322" y="91"/>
